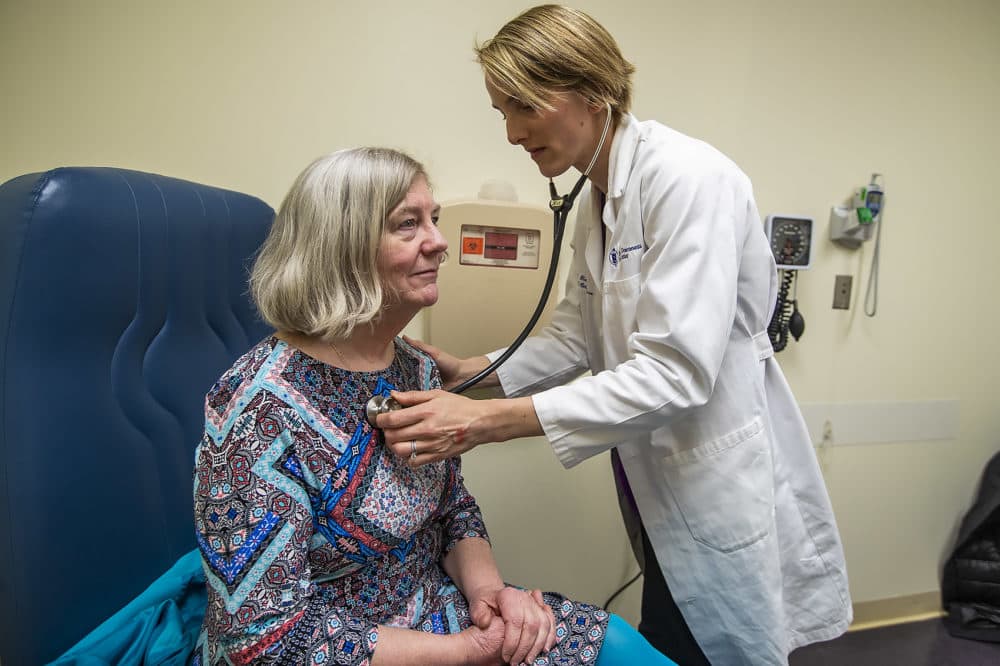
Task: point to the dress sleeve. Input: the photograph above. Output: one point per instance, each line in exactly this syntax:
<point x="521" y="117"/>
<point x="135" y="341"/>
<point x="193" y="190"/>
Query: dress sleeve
<point x="254" y="523"/>
<point x="460" y="515"/>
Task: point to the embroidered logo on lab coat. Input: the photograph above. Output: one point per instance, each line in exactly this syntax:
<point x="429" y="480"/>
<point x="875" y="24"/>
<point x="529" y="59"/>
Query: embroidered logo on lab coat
<point x="619" y="254"/>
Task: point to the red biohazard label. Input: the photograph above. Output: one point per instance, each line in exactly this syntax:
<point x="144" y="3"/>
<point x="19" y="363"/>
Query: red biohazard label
<point x="472" y="245"/>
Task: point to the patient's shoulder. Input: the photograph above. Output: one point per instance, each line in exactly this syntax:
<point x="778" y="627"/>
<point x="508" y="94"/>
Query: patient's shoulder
<point x="241" y="374"/>
<point x="419" y="368"/>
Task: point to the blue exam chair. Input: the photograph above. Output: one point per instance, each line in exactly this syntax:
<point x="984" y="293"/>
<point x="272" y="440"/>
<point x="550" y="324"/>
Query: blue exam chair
<point x="123" y="297"/>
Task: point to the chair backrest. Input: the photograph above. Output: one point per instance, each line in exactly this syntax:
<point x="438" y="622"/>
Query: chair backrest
<point x="123" y="297"/>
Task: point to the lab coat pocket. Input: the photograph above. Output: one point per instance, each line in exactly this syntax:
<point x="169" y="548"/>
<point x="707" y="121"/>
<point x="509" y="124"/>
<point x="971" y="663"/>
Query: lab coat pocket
<point x="724" y="488"/>
<point x="620" y="303"/>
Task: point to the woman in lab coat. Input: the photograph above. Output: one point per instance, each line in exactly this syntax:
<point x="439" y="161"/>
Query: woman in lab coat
<point x="670" y="292"/>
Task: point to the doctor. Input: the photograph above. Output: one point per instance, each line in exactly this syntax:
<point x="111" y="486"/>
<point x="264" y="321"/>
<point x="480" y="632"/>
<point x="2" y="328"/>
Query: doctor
<point x="670" y="292"/>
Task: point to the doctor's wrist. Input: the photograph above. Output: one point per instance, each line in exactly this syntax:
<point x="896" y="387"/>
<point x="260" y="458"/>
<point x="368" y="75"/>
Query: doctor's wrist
<point x="511" y="418"/>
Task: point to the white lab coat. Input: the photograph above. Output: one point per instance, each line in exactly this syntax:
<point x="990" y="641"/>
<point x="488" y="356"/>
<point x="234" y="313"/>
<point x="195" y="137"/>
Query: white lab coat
<point x="670" y="315"/>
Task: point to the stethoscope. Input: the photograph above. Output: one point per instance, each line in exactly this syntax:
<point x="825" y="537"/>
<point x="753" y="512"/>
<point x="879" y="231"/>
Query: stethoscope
<point x="560" y="206"/>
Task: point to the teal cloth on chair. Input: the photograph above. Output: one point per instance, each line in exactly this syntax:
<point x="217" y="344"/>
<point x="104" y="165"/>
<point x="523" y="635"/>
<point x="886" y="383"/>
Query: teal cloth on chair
<point x="624" y="646"/>
<point x="160" y="626"/>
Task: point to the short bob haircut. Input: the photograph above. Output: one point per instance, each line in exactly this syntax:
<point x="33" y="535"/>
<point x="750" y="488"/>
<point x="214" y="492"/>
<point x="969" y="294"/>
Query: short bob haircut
<point x="551" y="49"/>
<point x="317" y="272"/>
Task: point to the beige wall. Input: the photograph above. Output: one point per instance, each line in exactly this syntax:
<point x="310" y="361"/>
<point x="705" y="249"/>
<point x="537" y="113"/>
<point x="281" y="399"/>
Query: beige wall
<point x="808" y="97"/>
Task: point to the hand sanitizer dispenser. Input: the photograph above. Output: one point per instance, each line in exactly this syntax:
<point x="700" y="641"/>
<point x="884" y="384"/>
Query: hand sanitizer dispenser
<point x="852" y="225"/>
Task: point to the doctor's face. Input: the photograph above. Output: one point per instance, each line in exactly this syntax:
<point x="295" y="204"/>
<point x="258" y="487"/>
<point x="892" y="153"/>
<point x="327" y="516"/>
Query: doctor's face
<point x="556" y="140"/>
<point x="411" y="249"/>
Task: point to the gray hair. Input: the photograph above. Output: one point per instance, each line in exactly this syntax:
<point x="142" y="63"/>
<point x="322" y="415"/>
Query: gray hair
<point x="551" y="49"/>
<point x="317" y="271"/>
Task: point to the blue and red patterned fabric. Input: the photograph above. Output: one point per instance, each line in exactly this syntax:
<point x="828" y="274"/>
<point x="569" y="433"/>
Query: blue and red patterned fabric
<point x="312" y="533"/>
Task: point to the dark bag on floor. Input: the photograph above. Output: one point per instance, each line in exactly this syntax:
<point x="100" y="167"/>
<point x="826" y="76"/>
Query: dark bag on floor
<point x="970" y="586"/>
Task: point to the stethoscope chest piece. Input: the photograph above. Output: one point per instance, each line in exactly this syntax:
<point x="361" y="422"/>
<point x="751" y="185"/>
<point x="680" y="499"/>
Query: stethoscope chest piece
<point x="379" y="404"/>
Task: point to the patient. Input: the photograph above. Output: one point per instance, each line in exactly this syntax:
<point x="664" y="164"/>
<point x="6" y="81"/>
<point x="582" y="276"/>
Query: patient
<point x="319" y="544"/>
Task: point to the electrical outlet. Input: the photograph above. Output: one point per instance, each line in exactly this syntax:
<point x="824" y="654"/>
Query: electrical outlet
<point x="842" y="292"/>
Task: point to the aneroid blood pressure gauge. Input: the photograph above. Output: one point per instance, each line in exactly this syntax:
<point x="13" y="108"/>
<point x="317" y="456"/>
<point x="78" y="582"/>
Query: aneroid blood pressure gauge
<point x="791" y="240"/>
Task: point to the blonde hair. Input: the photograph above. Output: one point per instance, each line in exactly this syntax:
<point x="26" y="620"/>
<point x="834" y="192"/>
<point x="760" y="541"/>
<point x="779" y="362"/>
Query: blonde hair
<point x="551" y="49"/>
<point x="317" y="271"/>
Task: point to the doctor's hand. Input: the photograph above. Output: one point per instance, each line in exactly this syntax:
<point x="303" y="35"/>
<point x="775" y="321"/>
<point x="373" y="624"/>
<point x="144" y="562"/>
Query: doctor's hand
<point x="455" y="370"/>
<point x="431" y="426"/>
<point x="435" y="425"/>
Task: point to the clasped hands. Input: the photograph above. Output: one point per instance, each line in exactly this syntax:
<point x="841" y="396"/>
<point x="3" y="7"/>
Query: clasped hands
<point x="511" y="624"/>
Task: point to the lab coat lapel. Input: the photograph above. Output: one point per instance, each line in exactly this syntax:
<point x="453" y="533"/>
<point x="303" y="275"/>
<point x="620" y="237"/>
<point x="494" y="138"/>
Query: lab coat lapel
<point x="594" y="253"/>
<point x="594" y="215"/>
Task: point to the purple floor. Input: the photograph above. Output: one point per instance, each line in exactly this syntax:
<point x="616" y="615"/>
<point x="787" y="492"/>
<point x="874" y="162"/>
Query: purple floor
<point x="925" y="643"/>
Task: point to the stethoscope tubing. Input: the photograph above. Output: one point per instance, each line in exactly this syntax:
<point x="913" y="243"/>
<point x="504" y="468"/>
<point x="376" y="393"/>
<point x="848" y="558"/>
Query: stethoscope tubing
<point x="559" y="225"/>
<point x="561" y="207"/>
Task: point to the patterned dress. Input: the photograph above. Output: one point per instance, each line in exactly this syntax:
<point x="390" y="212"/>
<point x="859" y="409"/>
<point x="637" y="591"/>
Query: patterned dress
<point x="313" y="533"/>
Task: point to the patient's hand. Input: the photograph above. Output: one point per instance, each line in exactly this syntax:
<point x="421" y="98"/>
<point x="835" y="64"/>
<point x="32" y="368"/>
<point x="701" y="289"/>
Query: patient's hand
<point x="483" y="644"/>
<point x="529" y="624"/>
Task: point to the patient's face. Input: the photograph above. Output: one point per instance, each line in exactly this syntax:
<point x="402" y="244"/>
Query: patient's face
<point x="412" y="249"/>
